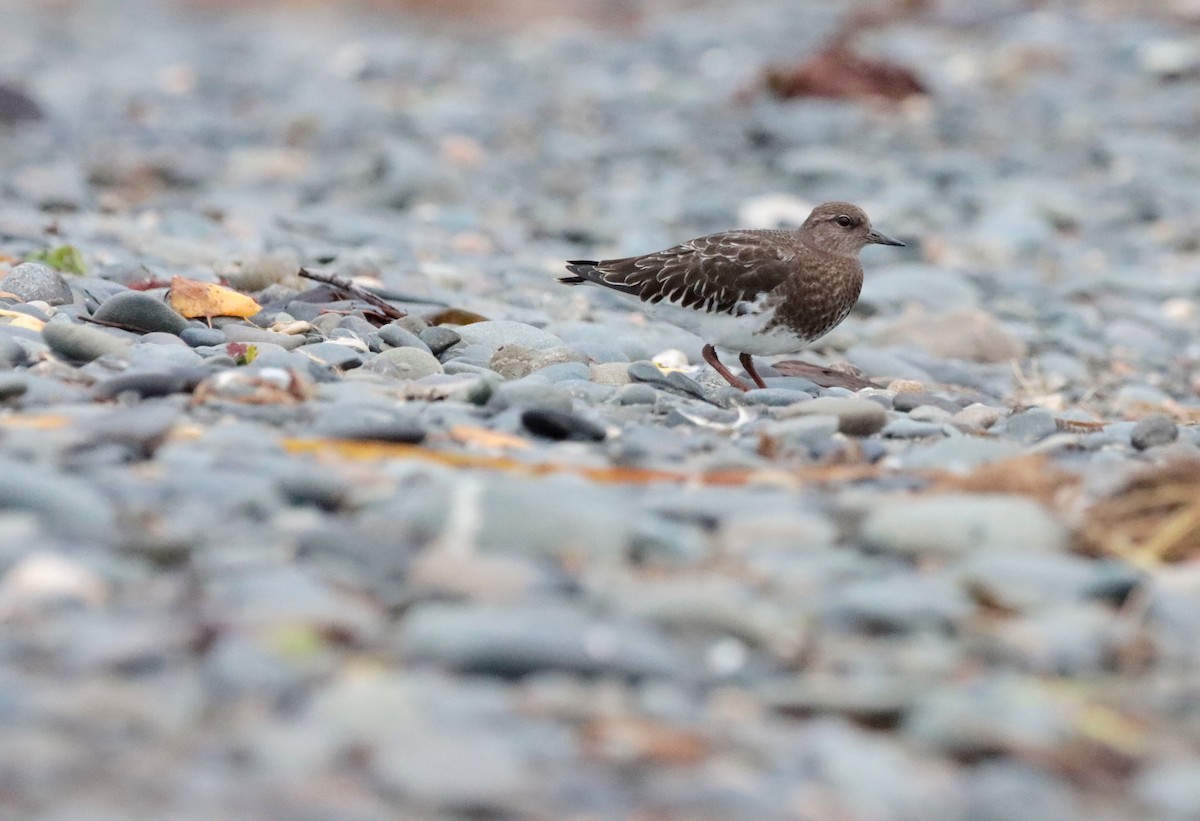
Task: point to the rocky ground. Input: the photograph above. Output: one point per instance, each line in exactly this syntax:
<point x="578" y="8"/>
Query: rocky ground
<point x="518" y="553"/>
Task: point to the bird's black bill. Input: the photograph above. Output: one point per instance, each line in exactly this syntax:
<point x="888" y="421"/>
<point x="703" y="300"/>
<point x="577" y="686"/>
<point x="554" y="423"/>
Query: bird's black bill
<point x="880" y="238"/>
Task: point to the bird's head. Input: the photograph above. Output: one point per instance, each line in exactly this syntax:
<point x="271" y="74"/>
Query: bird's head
<point x="843" y="229"/>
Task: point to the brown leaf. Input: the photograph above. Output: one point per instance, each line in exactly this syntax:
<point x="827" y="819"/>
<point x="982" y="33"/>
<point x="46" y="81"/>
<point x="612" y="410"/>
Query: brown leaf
<point x="642" y="740"/>
<point x="837" y="72"/>
<point x="487" y="439"/>
<point x="455" y="316"/>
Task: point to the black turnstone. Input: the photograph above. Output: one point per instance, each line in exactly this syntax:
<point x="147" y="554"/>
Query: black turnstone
<point x="763" y="292"/>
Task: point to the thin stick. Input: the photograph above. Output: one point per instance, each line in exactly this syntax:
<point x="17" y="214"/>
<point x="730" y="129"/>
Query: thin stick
<point x="388" y="310"/>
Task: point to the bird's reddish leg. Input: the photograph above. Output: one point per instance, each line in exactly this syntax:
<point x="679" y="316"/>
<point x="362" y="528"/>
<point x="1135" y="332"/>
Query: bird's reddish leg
<point x="748" y="363"/>
<point x="710" y="356"/>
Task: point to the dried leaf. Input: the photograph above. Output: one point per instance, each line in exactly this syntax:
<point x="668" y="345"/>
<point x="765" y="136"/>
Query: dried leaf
<point x="35" y="421"/>
<point x="206" y="299"/>
<point x="455" y="316"/>
<point x="20" y="320"/>
<point x="350" y="449"/>
<point x="837" y="72"/>
<point x="488" y="439"/>
<point x="644" y="740"/>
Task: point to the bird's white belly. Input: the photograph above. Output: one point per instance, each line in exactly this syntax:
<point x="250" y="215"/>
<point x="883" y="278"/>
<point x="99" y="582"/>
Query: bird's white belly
<point x="743" y="333"/>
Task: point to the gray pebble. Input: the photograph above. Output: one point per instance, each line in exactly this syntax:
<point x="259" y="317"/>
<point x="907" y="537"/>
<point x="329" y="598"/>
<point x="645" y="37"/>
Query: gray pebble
<point x="636" y="394"/>
<point x="856" y="417"/>
<point x="405" y="363"/>
<point x="1029" y="426"/>
<point x="200" y="336"/>
<point x="1155" y="429"/>
<point x="775" y="397"/>
<point x="494" y="333"/>
<point x="82" y="343"/>
<point x="522" y="639"/>
<point x="560" y="426"/>
<point x="954" y="524"/>
<point x="438" y="339"/>
<point x="333" y="355"/>
<point x="399" y="337"/>
<point x="32" y="281"/>
<point x="905" y="428"/>
<point x="239" y="332"/>
<point x="140" y="311"/>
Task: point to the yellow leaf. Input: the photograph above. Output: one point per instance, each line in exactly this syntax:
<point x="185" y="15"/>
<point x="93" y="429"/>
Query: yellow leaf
<point x="206" y="299"/>
<point x="20" y="320"/>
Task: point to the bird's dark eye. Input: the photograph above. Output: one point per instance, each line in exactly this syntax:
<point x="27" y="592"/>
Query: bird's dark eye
<point x="844" y="221"/>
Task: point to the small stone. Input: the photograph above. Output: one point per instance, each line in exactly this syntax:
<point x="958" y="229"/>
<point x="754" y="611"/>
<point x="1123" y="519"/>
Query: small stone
<point x="200" y="337"/>
<point x="237" y="332"/>
<point x="674" y="381"/>
<point x="43" y="578"/>
<point x="494" y="333"/>
<point x="1155" y="429"/>
<point x="976" y="417"/>
<point x="906" y="401"/>
<point x="439" y="339"/>
<point x="610" y="373"/>
<point x="31" y="281"/>
<point x="911" y="429"/>
<point x="399" y="337"/>
<point x="856" y="417"/>
<point x="1031" y="425"/>
<point x="148" y="383"/>
<point x="81" y="343"/>
<point x="333" y="355"/>
<point x="967" y="333"/>
<point x="405" y="363"/>
<point x="635" y="394"/>
<point x="366" y="424"/>
<point x="804" y="431"/>
<point x="954" y="524"/>
<point x="775" y="397"/>
<point x="959" y="452"/>
<point x="553" y="424"/>
<point x="140" y="311"/>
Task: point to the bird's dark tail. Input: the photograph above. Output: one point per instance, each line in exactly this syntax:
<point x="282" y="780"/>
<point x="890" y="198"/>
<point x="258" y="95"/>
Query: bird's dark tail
<point x="584" y="270"/>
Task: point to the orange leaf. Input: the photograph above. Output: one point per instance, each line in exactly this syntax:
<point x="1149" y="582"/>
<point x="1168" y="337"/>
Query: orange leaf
<point x="194" y="299"/>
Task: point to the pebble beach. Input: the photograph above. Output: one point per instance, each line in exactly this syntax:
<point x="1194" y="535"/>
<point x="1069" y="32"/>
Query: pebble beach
<point x="503" y="549"/>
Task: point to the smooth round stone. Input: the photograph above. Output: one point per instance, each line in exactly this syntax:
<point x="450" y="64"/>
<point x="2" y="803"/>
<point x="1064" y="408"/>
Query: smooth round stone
<point x="82" y="343"/>
<point x="517" y="640"/>
<point x="560" y="426"/>
<point x="12" y="386"/>
<point x="200" y="337"/>
<point x="145" y="355"/>
<point x="903" y="603"/>
<point x="1153" y="430"/>
<point x="954" y="524"/>
<point x="775" y="397"/>
<point x="638" y="393"/>
<point x="405" y="363"/>
<point x="804" y="431"/>
<point x="494" y="333"/>
<point x="140" y="311"/>
<point x="455" y="366"/>
<point x="793" y="383"/>
<point x="906" y="428"/>
<point x="674" y="381"/>
<point x="586" y="391"/>
<point x="856" y="417"/>
<point x="516" y="361"/>
<point x="977" y="417"/>
<point x="146" y="383"/>
<point x="333" y="355"/>
<point x="610" y="373"/>
<point x="563" y="371"/>
<point x="64" y="504"/>
<point x="11" y="352"/>
<point x="530" y="392"/>
<point x="1171" y="787"/>
<point x="1030" y="426"/>
<point x="32" y="281"/>
<point x="340" y="422"/>
<point x="255" y="336"/>
<point x="399" y="337"/>
<point x="959" y="452"/>
<point x="905" y="401"/>
<point x="439" y="339"/>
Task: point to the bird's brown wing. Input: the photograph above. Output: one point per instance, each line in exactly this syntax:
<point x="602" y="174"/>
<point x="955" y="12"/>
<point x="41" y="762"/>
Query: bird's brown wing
<point x="720" y="273"/>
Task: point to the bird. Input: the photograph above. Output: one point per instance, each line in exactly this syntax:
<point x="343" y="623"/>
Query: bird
<point x="759" y="292"/>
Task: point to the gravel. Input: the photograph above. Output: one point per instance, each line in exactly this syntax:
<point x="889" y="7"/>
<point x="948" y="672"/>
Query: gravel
<point x="521" y="553"/>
